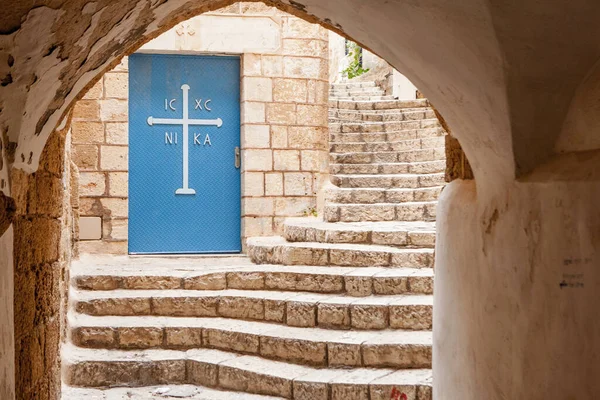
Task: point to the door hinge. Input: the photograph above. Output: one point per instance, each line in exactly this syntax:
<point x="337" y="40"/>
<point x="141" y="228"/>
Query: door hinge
<point x="238" y="158"/>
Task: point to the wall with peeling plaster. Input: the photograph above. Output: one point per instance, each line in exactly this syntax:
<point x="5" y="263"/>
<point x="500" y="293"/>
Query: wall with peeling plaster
<point x="515" y="93"/>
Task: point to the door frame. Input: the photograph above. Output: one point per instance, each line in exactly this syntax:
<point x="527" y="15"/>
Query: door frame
<point x="241" y="128"/>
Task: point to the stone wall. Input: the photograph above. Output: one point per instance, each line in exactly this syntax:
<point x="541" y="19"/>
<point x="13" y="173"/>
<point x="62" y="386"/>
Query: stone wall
<point x="41" y="258"/>
<point x="284" y="132"/>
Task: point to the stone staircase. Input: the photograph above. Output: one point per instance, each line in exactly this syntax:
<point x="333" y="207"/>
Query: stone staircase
<point x="339" y="308"/>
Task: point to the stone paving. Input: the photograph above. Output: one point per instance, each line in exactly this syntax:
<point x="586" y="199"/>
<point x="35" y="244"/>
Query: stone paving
<point x="338" y="308"/>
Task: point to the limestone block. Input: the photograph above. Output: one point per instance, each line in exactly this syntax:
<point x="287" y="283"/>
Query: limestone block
<point x="257" y="226"/>
<point x="301" y="314"/>
<point x="421" y="284"/>
<point x="293" y="350"/>
<point x="313" y="160"/>
<point x="97" y="282"/>
<point x="253" y="183"/>
<point x="281" y="113"/>
<point x="305" y="47"/>
<point x="95" y="92"/>
<point x="85" y="157"/>
<point x="84" y="132"/>
<point x="312" y="114"/>
<point x="257" y="160"/>
<point x="113" y="110"/>
<point x="395" y="238"/>
<point x="387" y="392"/>
<point x="116" y="85"/>
<point x="117" y="184"/>
<point x="185" y="306"/>
<point x="318" y="92"/>
<point x="290" y="90"/>
<point x="95" y="337"/>
<point x="397" y="355"/>
<point x="231" y="341"/>
<point x="302" y="67"/>
<point x="257" y="89"/>
<point x="417" y="317"/>
<point x="274" y="310"/>
<point x="286" y="160"/>
<point x="358" y="258"/>
<point x="390" y="285"/>
<point x="255" y="136"/>
<point x="298" y="184"/>
<point x="293" y="206"/>
<point x="117" y="133"/>
<point x="304" y="256"/>
<point x="320" y="283"/>
<point x="92" y="184"/>
<point x="251" y="64"/>
<point x="114" y="158"/>
<point x="359" y="286"/>
<point x="216" y="281"/>
<point x="183" y="337"/>
<point x="253" y="112"/>
<point x="298" y="28"/>
<point x="279" y="136"/>
<point x="334" y="316"/>
<point x="307" y="137"/>
<point x="246" y="280"/>
<point x="202" y="373"/>
<point x="139" y="338"/>
<point x="344" y="355"/>
<point x="140" y="306"/>
<point x="414" y="259"/>
<point x="369" y="316"/>
<point x="257" y="206"/>
<point x="274" y="184"/>
<point x="86" y="110"/>
<point x="115" y="207"/>
<point x="242" y="308"/>
<point x="243" y="380"/>
<point x="149" y="282"/>
<point x="272" y="66"/>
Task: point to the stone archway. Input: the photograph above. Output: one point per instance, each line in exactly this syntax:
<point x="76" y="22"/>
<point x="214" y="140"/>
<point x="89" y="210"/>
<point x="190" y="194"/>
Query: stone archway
<point x="517" y="284"/>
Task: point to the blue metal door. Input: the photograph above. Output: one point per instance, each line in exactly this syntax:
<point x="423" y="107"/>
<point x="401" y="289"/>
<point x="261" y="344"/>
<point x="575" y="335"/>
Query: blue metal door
<point x="184" y="132"/>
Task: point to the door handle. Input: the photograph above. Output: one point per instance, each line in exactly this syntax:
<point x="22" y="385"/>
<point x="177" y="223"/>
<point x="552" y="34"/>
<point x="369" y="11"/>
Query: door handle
<point x="238" y="158"/>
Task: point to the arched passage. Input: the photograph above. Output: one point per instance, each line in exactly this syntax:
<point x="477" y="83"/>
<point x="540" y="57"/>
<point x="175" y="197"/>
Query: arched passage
<point x="516" y="282"/>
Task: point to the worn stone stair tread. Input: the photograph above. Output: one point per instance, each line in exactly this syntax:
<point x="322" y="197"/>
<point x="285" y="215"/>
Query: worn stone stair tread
<point x="338" y="195"/>
<point x="223" y="370"/>
<point x="304" y="346"/>
<point x="280" y="241"/>
<point x="404" y="311"/>
<point x="366" y="157"/>
<point x="374" y="105"/>
<point x="191" y="392"/>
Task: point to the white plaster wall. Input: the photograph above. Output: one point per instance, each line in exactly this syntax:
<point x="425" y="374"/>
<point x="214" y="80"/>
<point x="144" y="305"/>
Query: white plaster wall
<point x="503" y="326"/>
<point x="7" y="342"/>
<point x="402" y="88"/>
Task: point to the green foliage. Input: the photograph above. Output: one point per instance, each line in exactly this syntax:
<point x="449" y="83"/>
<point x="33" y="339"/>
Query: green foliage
<point x="310" y="212"/>
<point x="355" y="67"/>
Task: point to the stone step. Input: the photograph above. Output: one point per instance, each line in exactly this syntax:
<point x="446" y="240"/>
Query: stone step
<point x="401" y="145"/>
<point x="350" y="281"/>
<point x="307" y="229"/>
<point x="353" y="85"/>
<point x="380" y="127"/>
<point x="379" y="195"/>
<point x="409" y="312"/>
<point x="362" y="98"/>
<point x="374" y="137"/>
<point x="190" y="392"/>
<point x="373" y="91"/>
<point x="276" y="250"/>
<point x="409" y="211"/>
<point x="338" y="127"/>
<point x="378" y="116"/>
<point x="305" y="346"/>
<point x="421" y="155"/>
<point x="378" y="105"/>
<point x="405" y="181"/>
<point x="428" y="167"/>
<point x="240" y="373"/>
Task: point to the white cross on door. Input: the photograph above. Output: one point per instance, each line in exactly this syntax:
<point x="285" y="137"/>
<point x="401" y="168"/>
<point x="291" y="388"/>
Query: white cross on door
<point x="185" y="122"/>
